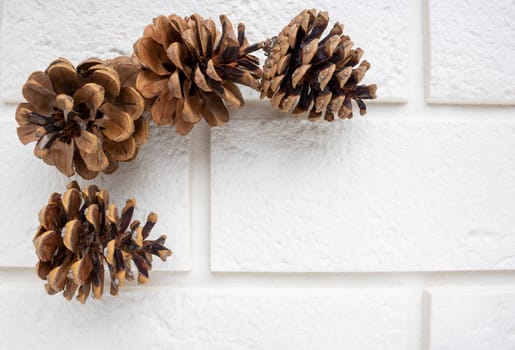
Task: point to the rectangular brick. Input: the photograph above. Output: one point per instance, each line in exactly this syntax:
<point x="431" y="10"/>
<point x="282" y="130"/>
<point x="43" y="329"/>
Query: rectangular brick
<point x="358" y="319"/>
<point x="34" y="33"/>
<point x="365" y="195"/>
<point x="469" y="45"/>
<point x="158" y="178"/>
<point x="472" y="318"/>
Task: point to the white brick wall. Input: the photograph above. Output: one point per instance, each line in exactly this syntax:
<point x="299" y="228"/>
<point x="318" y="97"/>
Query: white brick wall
<point x="393" y="231"/>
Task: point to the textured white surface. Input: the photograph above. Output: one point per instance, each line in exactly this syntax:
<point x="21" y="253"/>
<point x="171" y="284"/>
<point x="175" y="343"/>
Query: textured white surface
<point x="365" y="195"/>
<point x="34" y="33"/>
<point x="192" y="319"/>
<point x="472" y="318"/>
<point x="158" y="179"/>
<point x="411" y="188"/>
<point x="470" y="49"/>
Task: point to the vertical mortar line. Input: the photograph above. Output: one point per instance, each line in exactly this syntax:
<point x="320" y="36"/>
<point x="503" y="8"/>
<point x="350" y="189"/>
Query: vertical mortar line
<point x="207" y="216"/>
<point x="2" y="2"/>
<point x="416" y="283"/>
<point x="416" y="58"/>
<point x="199" y="191"/>
<point x="426" y="320"/>
<point x="426" y="48"/>
<point x="423" y="15"/>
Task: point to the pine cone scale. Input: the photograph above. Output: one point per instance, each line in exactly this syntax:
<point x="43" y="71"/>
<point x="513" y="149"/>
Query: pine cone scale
<point x="98" y="279"/>
<point x="96" y="161"/>
<point x="57" y="276"/>
<point x="152" y="55"/>
<point x="121" y="151"/>
<point x="92" y="95"/>
<point x="106" y="77"/>
<point x="47" y="244"/>
<point x="72" y="235"/>
<point x="29" y="133"/>
<point x="200" y="81"/>
<point x="191" y="108"/>
<point x="163" y="109"/>
<point x="141" y="132"/>
<point x="38" y="92"/>
<point x="232" y="95"/>
<point x="165" y="30"/>
<point x="87" y="142"/>
<point x="117" y="125"/>
<point x="130" y="102"/>
<point x="43" y="268"/>
<point x="63" y="76"/>
<point x="214" y="108"/>
<point x="150" y="84"/>
<point x="61" y="155"/>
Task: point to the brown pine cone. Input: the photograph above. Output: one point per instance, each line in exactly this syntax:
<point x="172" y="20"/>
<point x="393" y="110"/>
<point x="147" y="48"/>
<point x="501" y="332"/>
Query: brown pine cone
<point x="79" y="231"/>
<point x="190" y="71"/>
<point x="85" y="119"/>
<point x="305" y="73"/>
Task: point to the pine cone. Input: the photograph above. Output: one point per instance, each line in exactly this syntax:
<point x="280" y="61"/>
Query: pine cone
<point x="190" y="71"/>
<point x="84" y="119"/>
<point x="305" y="73"/>
<point x="79" y="231"/>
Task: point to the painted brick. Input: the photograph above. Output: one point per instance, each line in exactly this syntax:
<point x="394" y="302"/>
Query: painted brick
<point x="196" y="319"/>
<point x="158" y="179"/>
<point x="469" y="42"/>
<point x="362" y="195"/>
<point x="472" y="318"/>
<point x="34" y="33"/>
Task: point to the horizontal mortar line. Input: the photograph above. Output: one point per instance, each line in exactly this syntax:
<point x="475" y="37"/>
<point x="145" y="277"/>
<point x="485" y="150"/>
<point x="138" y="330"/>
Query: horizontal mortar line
<point x="382" y="112"/>
<point x="463" y="118"/>
<point x="428" y="116"/>
<point x="425" y="117"/>
<point x="395" y="103"/>
<point x="401" y="100"/>
<point x="257" y="101"/>
<point x="415" y="107"/>
<point x="471" y="102"/>
<point x="387" y="102"/>
<point x="26" y="276"/>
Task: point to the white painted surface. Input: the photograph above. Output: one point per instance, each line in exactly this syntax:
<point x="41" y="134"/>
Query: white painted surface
<point x="169" y="318"/>
<point x="470" y="45"/>
<point x="34" y="32"/>
<point x="159" y="183"/>
<point x="365" y="195"/>
<point x="411" y="189"/>
<point x="472" y="318"/>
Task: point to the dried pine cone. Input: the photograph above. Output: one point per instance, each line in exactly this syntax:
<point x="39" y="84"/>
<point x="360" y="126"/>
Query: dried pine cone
<point x="79" y="231"/>
<point x="190" y="70"/>
<point x="305" y="73"/>
<point x="84" y="119"/>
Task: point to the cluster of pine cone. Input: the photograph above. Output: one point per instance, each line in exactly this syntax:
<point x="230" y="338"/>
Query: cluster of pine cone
<point x="86" y="119"/>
